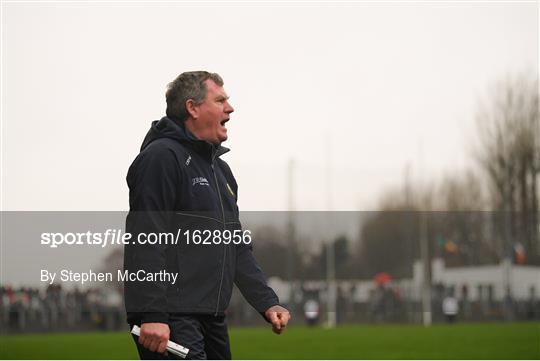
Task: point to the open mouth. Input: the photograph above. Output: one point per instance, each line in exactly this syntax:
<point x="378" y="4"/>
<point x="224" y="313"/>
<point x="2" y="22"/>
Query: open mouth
<point x="223" y="122"/>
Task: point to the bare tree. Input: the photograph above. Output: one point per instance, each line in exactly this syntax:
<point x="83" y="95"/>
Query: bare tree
<point x="453" y="210"/>
<point x="509" y="153"/>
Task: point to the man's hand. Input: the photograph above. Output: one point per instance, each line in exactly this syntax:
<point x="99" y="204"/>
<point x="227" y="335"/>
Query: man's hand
<point x="279" y="317"/>
<point x="154" y="336"/>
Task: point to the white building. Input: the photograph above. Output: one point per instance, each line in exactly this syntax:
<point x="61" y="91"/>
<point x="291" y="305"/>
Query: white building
<point x="482" y="282"/>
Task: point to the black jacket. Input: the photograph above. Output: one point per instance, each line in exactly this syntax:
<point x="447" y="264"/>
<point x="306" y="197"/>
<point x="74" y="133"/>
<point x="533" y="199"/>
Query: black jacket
<point x="179" y="182"/>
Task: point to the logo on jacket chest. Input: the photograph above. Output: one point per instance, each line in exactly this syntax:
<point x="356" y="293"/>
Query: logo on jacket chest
<point x="201" y="181"/>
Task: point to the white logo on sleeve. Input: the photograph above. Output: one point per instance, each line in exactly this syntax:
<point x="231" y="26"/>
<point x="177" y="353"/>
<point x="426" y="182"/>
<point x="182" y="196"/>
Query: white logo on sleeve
<point x="200" y="181"/>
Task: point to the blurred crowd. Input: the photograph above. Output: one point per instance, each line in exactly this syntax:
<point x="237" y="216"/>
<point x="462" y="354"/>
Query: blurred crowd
<point x="58" y="310"/>
<point x="28" y="309"/>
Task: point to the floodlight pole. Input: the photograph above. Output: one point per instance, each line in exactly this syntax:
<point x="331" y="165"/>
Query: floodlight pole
<point x="424" y="247"/>
<point x="507" y="251"/>
<point x="426" y="268"/>
<point x="331" y="281"/>
<point x="330" y="249"/>
<point x="291" y="230"/>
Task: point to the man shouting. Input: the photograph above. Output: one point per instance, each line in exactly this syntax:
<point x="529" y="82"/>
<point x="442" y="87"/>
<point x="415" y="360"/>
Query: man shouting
<point x="179" y="185"/>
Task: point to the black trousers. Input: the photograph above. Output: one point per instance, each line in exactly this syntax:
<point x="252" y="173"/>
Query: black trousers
<point x="205" y="336"/>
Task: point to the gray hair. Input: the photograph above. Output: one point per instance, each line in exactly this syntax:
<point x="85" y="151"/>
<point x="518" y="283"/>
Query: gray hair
<point x="188" y="85"/>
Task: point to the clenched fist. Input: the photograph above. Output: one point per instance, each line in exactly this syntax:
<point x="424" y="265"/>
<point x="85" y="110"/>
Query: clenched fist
<point x="279" y="317"/>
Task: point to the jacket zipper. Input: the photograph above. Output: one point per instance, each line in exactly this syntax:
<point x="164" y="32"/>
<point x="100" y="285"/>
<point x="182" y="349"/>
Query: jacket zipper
<point x="225" y="248"/>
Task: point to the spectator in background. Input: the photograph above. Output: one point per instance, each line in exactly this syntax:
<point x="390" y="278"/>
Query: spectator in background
<point x="450" y="308"/>
<point x="311" y="312"/>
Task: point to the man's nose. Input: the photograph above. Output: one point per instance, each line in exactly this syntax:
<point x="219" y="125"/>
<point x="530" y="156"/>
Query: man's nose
<point x="229" y="109"/>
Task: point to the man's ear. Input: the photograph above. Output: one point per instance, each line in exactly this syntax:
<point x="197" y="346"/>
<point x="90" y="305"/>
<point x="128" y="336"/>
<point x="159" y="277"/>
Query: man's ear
<point x="192" y="109"/>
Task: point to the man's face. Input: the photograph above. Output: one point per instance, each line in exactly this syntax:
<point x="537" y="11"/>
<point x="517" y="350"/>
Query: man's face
<point x="208" y="119"/>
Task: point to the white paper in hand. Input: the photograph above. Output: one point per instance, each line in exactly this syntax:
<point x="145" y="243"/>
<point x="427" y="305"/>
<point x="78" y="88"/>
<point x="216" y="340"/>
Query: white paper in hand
<point x="172" y="347"/>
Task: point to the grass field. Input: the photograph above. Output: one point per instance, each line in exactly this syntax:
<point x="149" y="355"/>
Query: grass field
<point x="460" y="341"/>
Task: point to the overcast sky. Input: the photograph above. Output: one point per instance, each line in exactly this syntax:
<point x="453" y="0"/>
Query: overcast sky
<point x="365" y="85"/>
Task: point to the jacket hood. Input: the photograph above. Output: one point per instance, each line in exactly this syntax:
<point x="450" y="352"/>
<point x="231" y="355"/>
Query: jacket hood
<point x="168" y="128"/>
